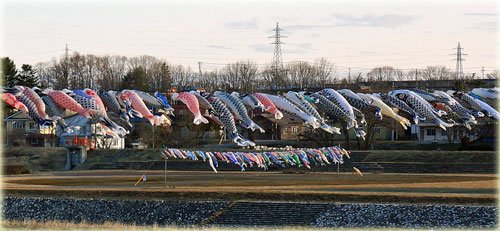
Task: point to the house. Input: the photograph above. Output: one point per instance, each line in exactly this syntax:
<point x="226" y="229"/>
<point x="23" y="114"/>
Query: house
<point x="283" y="129"/>
<point x="81" y="132"/>
<point x="430" y="133"/>
<point x="21" y="130"/>
<point x="486" y="138"/>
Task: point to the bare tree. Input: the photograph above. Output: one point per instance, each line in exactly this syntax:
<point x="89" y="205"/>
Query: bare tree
<point x="160" y="78"/>
<point x="240" y="76"/>
<point x="385" y="73"/>
<point x="146" y="62"/>
<point x="46" y="74"/>
<point x="111" y="71"/>
<point x="325" y="72"/>
<point x="301" y="75"/>
<point x="400" y="75"/>
<point x="269" y="79"/>
<point x="493" y="75"/>
<point x="182" y="76"/>
<point x="436" y="73"/>
<point x="60" y="71"/>
<point x="210" y="81"/>
<point x="358" y="78"/>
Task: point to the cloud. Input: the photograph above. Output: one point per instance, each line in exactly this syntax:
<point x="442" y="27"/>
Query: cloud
<point x="305" y="46"/>
<point x="288" y="50"/>
<point x="245" y="25"/>
<point x="370" y="20"/>
<point x="306" y="27"/>
<point x="219" y="47"/>
<point x="299" y="48"/>
<point x="489" y="26"/>
<point x="265" y="48"/>
<point x="480" y="14"/>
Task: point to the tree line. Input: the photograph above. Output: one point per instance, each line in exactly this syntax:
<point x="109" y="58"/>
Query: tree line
<point x="148" y="73"/>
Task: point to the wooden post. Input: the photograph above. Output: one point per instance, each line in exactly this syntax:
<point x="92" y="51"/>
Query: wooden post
<point x="136" y="183"/>
<point x="165" y="172"/>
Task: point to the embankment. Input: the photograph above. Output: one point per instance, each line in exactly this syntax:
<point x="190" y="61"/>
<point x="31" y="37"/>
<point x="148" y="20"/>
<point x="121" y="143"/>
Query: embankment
<point x="241" y="213"/>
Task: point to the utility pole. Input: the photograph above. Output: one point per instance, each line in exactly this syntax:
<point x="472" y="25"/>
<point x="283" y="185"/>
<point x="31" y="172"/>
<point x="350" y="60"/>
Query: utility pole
<point x="482" y="71"/>
<point x="199" y="68"/>
<point x="66" y="71"/>
<point x="416" y="78"/>
<point x="277" y="59"/>
<point x="349" y="76"/>
<point x="66" y="52"/>
<point x="459" y="70"/>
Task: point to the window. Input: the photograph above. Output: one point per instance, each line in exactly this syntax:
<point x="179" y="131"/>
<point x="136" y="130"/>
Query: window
<point x="33" y="126"/>
<point x="431" y="132"/>
<point x="443" y="132"/>
<point x="34" y="141"/>
<point x="377" y="130"/>
<point x="295" y="129"/>
<point x="18" y="124"/>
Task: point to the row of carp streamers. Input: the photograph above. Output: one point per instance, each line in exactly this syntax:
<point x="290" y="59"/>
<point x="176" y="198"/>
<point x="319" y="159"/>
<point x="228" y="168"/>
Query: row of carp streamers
<point x="112" y="109"/>
<point x="281" y="158"/>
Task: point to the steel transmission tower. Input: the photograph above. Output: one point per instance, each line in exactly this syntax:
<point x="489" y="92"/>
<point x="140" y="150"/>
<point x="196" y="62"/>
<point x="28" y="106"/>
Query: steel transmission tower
<point x="277" y="59"/>
<point x="459" y="71"/>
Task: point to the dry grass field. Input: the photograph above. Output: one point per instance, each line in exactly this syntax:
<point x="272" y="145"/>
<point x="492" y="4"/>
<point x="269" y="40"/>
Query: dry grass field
<point x="61" y="225"/>
<point x="198" y="185"/>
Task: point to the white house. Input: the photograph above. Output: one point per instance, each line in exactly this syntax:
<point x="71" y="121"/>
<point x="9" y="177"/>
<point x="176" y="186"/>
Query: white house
<point x="81" y="132"/>
<point x="430" y="133"/>
<point x="21" y="130"/>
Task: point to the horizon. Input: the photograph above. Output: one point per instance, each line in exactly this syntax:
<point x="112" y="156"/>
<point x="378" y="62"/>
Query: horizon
<point x="360" y="35"/>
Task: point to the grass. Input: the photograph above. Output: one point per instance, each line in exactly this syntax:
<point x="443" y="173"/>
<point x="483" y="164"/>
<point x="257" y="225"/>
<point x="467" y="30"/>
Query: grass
<point x="64" y="225"/>
<point x="42" y="159"/>
<point x="431" y="156"/>
<point x="35" y="159"/>
<point x="191" y="185"/>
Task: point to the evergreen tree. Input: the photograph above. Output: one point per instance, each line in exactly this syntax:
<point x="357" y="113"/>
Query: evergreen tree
<point x="8" y="72"/>
<point x="28" y="76"/>
<point x="135" y="79"/>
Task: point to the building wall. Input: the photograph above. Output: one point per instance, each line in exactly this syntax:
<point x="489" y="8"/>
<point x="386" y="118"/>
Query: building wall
<point x="432" y="134"/>
<point x="20" y="129"/>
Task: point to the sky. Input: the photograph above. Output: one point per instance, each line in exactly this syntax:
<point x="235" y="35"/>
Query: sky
<point x="353" y="34"/>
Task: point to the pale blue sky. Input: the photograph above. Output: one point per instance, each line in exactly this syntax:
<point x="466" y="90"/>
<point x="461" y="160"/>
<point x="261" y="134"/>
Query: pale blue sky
<point x="404" y="34"/>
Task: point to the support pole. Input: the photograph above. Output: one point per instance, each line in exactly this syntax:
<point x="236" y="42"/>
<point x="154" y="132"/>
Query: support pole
<point x="165" y="172"/>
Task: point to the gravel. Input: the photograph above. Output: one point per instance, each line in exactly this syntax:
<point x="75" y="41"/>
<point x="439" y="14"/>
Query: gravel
<point x="408" y="216"/>
<point x="140" y="212"/>
<point x="183" y="213"/>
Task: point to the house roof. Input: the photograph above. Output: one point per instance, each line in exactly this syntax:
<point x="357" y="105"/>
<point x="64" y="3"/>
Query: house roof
<point x="37" y="136"/>
<point x="19" y="115"/>
<point x="488" y="130"/>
